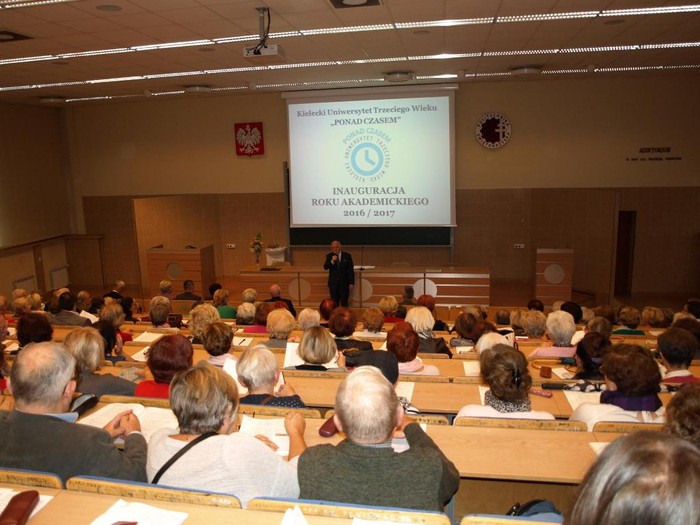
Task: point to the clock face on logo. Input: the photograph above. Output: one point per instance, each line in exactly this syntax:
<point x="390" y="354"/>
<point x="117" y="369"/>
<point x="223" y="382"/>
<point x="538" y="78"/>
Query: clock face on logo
<point x="493" y="130"/>
<point x="367" y="159"/>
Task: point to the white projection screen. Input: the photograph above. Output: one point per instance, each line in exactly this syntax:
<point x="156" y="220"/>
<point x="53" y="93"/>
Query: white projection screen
<point x="373" y="157"/>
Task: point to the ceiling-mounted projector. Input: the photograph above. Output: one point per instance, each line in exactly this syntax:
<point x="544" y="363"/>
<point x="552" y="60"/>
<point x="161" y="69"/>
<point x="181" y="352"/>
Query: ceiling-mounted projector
<point x="267" y="50"/>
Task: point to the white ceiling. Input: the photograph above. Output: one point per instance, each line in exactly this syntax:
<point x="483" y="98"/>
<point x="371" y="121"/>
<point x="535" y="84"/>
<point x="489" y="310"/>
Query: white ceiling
<point x="78" y="26"/>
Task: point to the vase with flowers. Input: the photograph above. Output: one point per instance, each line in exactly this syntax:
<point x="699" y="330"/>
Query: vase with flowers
<point x="256" y="247"/>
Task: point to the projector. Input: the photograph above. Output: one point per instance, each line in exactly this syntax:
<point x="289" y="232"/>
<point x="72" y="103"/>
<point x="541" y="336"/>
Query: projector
<point x="268" y="50"/>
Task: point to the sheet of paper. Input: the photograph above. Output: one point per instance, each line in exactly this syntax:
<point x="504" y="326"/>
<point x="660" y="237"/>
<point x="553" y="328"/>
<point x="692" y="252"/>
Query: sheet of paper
<point x="291" y="357"/>
<point x="12" y="331"/>
<point x="472" y="368"/>
<point x="598" y="447"/>
<point x="272" y="429"/>
<point x="7" y="494"/>
<point x="140" y="513"/>
<point x="151" y="418"/>
<point x="11" y="347"/>
<point x="576" y="398"/>
<point x="405" y="389"/>
<point x="562" y="373"/>
<point x="656" y="333"/>
<point x="230" y="369"/>
<point x="482" y="392"/>
<point x="368" y="335"/>
<point x="142" y="355"/>
<point x="148" y="337"/>
<point x="294" y="516"/>
<point x="383" y="347"/>
<point x="242" y="341"/>
<point x="88" y="315"/>
<point x="464" y="349"/>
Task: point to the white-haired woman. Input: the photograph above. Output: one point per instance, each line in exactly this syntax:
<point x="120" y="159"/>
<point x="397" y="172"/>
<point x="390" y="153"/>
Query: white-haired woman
<point x="258" y="371"/>
<point x="422" y="321"/>
<point x="560" y="329"/>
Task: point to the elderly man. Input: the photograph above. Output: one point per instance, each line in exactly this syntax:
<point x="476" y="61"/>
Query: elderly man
<point x="276" y="295"/>
<point x="66" y="312"/>
<point x="188" y="294"/>
<point x="40" y="433"/>
<point x="364" y="469"/>
<point x="117" y="293"/>
<point x="341" y="274"/>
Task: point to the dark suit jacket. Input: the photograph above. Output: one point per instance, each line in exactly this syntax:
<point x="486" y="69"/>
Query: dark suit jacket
<point x="187" y="296"/>
<point x="288" y="302"/>
<point x="65" y="317"/>
<point x="341" y="273"/>
<point x="49" y="444"/>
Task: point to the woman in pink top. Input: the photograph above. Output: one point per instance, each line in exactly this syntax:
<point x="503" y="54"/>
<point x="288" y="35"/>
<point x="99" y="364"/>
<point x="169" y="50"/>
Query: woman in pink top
<point x="403" y="342"/>
<point x="560" y="330"/>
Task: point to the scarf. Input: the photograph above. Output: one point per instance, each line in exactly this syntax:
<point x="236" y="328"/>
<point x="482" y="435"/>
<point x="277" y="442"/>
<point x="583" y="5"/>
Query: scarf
<point x="649" y="402"/>
<point x="492" y="401"/>
<point x="411" y="367"/>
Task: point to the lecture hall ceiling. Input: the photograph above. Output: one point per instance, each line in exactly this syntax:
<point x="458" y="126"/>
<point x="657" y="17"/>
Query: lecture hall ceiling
<point x="79" y="51"/>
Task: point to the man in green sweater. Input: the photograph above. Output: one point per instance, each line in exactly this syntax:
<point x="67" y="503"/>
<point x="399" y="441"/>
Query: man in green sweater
<point x="364" y="469"/>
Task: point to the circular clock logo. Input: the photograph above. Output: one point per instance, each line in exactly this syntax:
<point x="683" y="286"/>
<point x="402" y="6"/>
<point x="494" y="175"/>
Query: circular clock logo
<point x="367" y="159"/>
<point x="493" y="130"/>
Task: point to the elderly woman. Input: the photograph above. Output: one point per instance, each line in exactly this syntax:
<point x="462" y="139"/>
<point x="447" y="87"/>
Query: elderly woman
<point x="158" y="311"/>
<point x="403" y="342"/>
<point x="166" y="288"/>
<point x="654" y="317"/>
<point x="245" y="313"/>
<point x="422" y="322"/>
<point x="599" y="325"/>
<point x="307" y="318"/>
<point x="205" y="401"/>
<point x="87" y="346"/>
<point x="217" y="339"/>
<point x="342" y="325"/>
<point x="280" y="323"/>
<point x="202" y="316"/>
<point x="325" y="309"/>
<point x="168" y="356"/>
<point x="317" y="348"/>
<point x="249" y="295"/>
<point x="373" y="322"/>
<point x="560" y="329"/>
<point x="220" y="302"/>
<point x="533" y="323"/>
<point x="644" y="477"/>
<point x="632" y="380"/>
<point x="504" y="370"/>
<point x="388" y="305"/>
<point x="33" y="328"/>
<point x="258" y="371"/>
<point x="428" y="301"/>
<point x="589" y="356"/>
<point x="259" y="325"/>
<point x="683" y="414"/>
<point x="629" y="320"/>
<point x="469" y="328"/>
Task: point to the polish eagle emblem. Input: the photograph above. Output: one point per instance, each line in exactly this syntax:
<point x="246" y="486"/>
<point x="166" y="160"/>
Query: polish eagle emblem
<point x="249" y="139"/>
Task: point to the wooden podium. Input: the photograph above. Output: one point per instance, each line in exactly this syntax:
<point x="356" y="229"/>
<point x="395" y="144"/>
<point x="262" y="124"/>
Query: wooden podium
<point x="554" y="270"/>
<point x="196" y="264"/>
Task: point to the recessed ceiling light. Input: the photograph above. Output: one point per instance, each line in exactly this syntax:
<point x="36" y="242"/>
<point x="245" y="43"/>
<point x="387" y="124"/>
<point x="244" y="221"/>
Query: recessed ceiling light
<point x="198" y="89"/>
<point x="109" y="8"/>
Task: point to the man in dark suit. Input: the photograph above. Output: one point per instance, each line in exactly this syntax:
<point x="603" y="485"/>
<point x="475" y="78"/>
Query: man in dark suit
<point x="41" y="434"/>
<point x="341" y="274"/>
<point x="67" y="314"/>
<point x="276" y="295"/>
<point x="188" y="294"/>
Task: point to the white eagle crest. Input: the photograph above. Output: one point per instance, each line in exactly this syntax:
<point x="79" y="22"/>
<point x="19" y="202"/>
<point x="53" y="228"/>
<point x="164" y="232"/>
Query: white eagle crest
<point x="248" y="139"/>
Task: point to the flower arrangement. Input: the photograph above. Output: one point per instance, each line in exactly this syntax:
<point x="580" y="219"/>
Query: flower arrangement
<point x="257" y="246"/>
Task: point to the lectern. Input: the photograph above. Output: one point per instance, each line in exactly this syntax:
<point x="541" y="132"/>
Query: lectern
<point x="554" y="274"/>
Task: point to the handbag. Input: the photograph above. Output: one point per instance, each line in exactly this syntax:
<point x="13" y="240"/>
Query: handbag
<point x="180" y="453"/>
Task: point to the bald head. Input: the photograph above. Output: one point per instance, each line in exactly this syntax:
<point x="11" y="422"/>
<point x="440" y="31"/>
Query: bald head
<point x="275" y="290"/>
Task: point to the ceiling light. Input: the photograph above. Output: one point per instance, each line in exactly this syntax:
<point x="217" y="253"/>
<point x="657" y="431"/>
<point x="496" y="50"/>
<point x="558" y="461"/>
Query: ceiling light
<point x="398" y="76"/>
<point x="354" y="2"/>
<point x="108" y="8"/>
<point x="531" y="69"/>
<point x="198" y="89"/>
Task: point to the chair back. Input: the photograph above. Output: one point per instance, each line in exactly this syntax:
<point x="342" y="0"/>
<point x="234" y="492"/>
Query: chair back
<point x="268" y="411"/>
<point x="532" y="424"/>
<point x="145" y="401"/>
<point x="625" y="428"/>
<point x="349" y="511"/>
<point x="133" y="489"/>
<point x="31" y="478"/>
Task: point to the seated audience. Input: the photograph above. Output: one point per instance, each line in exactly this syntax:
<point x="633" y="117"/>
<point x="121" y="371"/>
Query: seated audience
<point x="113" y="315"/>
<point x="220" y="302"/>
<point x="245" y="313"/>
<point x="654" y="317"/>
<point x="535" y="304"/>
<point x="33" y="328"/>
<point x="574" y="309"/>
<point x="66" y="314"/>
<point x="560" y="330"/>
<point x="36" y="303"/>
<point x="606" y="311"/>
<point x="258" y="371"/>
<point x="280" y="324"/>
<point x="158" y="311"/>
<point x="632" y="380"/>
<point x="388" y="305"/>
<point x="202" y="316"/>
<point x="373" y="322"/>
<point x="363" y="468"/>
<point x="516" y="321"/>
<point x="403" y="342"/>
<point x="490" y="340"/>
<point x="641" y="478"/>
<point x="428" y="301"/>
<point x="217" y="339"/>
<point x="503" y="317"/>
<point x="41" y="433"/>
<point x="408" y="296"/>
<point x="188" y="294"/>
<point x="683" y="414"/>
<point x="533" y="323"/>
<point x="325" y="309"/>
<point x="307" y="318"/>
<point x="600" y="325"/>
<point x="692" y="306"/>
<point x="87" y="347"/>
<point x="130" y="307"/>
<point x="259" y="325"/>
<point x="22" y="306"/>
<point x="168" y="356"/>
<point x="213" y="287"/>
<point x="692" y="326"/>
<point x="249" y="295"/>
<point x="342" y="325"/>
<point x="317" y="348"/>
<point x="587" y="315"/>
<point x="166" y="288"/>
<point x="677" y="348"/>
<point x="401" y="312"/>
<point x="205" y="401"/>
<point x="422" y="322"/>
<point x="504" y="370"/>
<point x="589" y="356"/>
<point x="629" y="320"/>
<point x="276" y="296"/>
<point x="469" y="328"/>
<point x="117" y="292"/>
